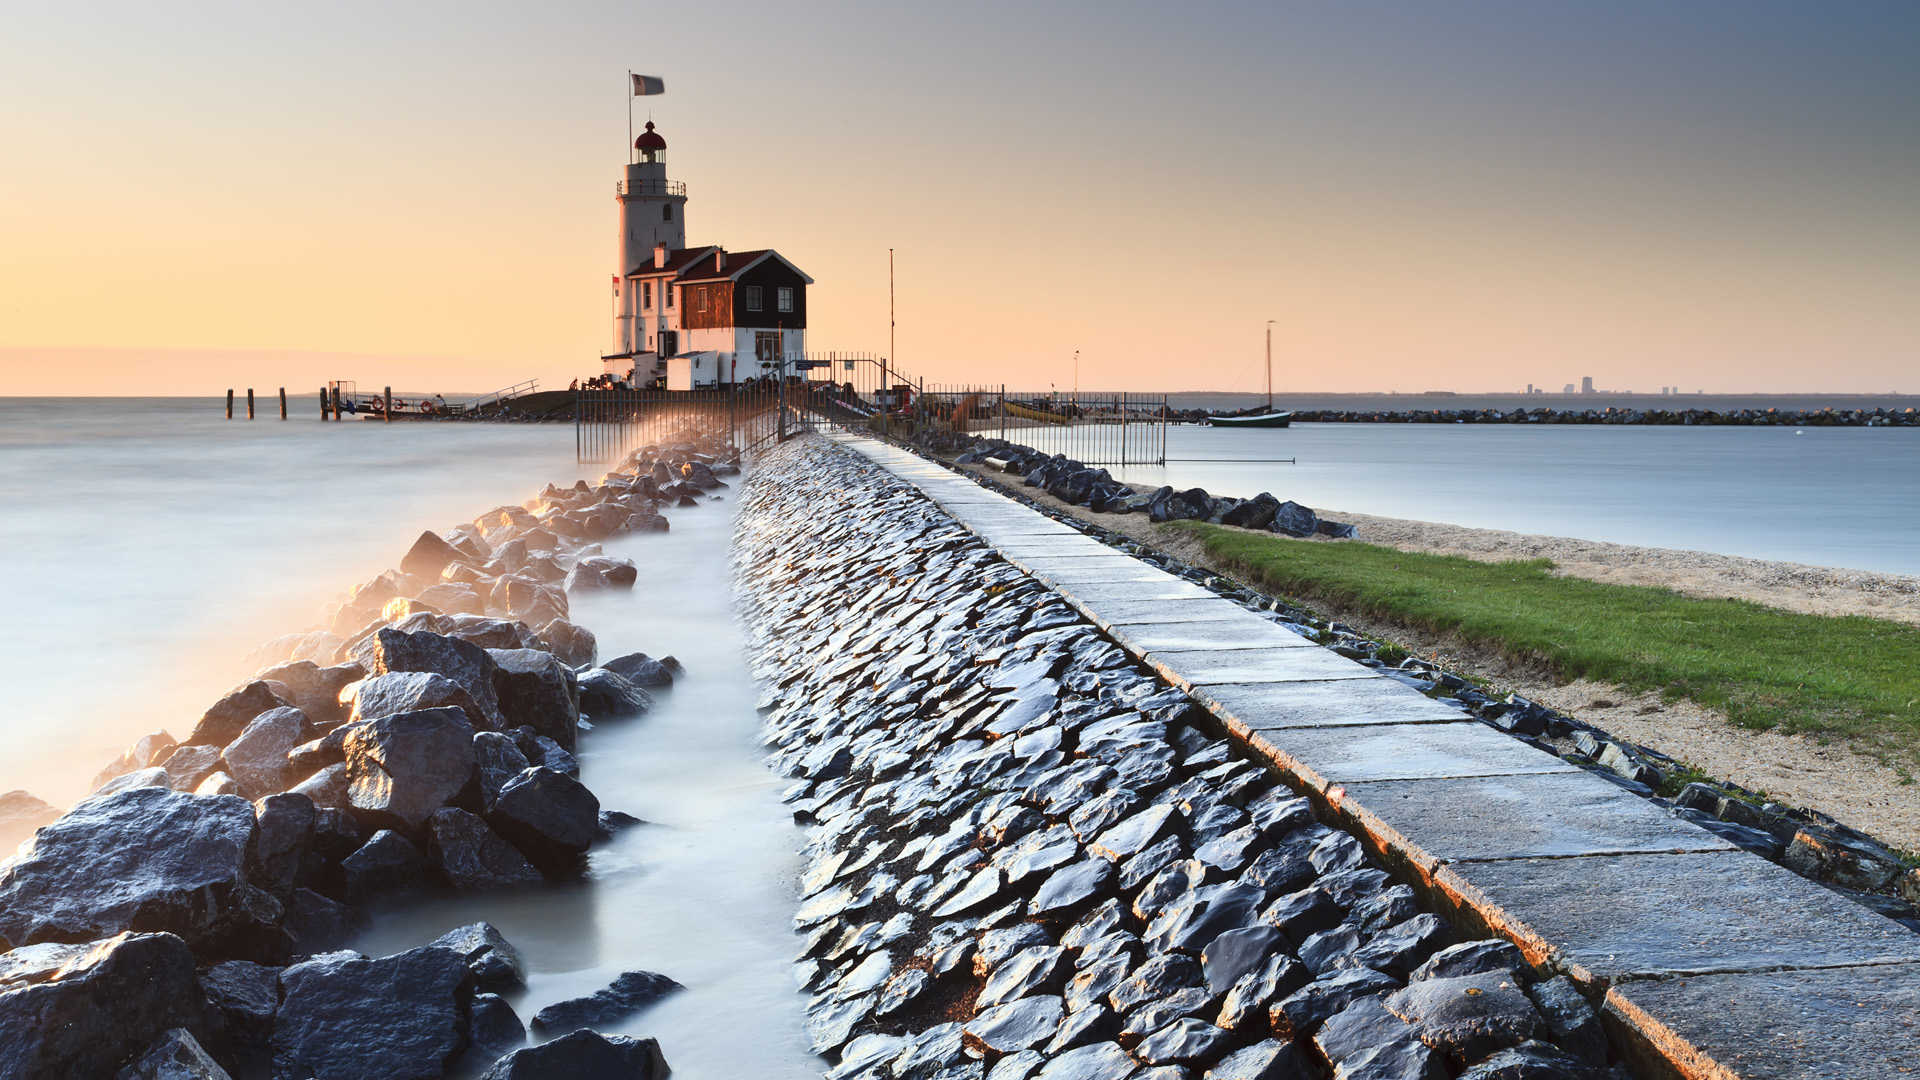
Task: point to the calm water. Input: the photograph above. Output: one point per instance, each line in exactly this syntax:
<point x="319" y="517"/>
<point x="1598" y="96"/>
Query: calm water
<point x="150" y="545"/>
<point x="1832" y="497"/>
<point x="705" y="891"/>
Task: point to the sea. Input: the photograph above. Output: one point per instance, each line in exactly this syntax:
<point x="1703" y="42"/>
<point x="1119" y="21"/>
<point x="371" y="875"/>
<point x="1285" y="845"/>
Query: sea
<point x="1843" y="497"/>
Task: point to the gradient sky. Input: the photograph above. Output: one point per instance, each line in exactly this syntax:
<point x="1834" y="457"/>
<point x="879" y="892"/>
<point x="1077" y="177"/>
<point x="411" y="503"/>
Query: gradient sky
<point x="1472" y="195"/>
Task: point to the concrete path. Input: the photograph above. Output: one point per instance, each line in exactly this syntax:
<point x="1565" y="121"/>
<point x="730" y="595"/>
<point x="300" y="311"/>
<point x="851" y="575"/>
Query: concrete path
<point x="1713" y="962"/>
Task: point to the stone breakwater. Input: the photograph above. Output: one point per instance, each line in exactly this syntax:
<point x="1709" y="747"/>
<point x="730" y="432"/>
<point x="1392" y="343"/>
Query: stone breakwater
<point x="1031" y="858"/>
<point x="1805" y="840"/>
<point x="1072" y="482"/>
<point x="1668" y="417"/>
<point x="183" y="920"/>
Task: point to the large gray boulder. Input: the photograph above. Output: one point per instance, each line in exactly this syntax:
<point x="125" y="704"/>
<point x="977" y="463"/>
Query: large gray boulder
<point x="606" y="696"/>
<point x="410" y="691"/>
<point x="471" y="856"/>
<point x="574" y="645"/>
<point x="583" y="1054"/>
<point x="428" y="556"/>
<point x="147" y="860"/>
<point x="644" y="671"/>
<point x="387" y="863"/>
<point x="257" y="760"/>
<point x="69" y="1011"/>
<point x="228" y="717"/>
<point x="497" y="760"/>
<point x="537" y="690"/>
<point x="313" y="689"/>
<point x="551" y="817"/>
<point x="344" y="1016"/>
<point x="601" y="572"/>
<point x="187" y="766"/>
<point x="465" y="663"/>
<point x="400" y="769"/>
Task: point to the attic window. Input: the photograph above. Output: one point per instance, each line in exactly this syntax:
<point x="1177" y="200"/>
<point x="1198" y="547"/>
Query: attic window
<point x="666" y="211"/>
<point x="783" y="296"/>
<point x="753" y="298"/>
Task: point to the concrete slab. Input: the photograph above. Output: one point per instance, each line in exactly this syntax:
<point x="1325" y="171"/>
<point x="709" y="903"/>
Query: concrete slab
<point x="1070" y="573"/>
<point x="1607" y="918"/>
<point x="1072" y="546"/>
<point x="1833" y="1024"/>
<point x="1172" y="589"/>
<point x="1114" y="614"/>
<point x="1267" y="707"/>
<point x="1236" y="666"/>
<point x="1462" y="819"/>
<point x="1245" y="631"/>
<point x="1357" y="754"/>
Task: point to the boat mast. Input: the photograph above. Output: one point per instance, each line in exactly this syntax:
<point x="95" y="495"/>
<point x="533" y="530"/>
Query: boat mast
<point x="1269" y="365"/>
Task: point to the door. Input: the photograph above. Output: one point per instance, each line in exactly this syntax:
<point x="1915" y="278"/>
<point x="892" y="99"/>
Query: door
<point x="766" y="349"/>
<point x="669" y="343"/>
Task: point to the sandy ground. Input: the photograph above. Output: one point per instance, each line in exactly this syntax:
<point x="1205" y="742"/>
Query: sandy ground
<point x="1856" y="788"/>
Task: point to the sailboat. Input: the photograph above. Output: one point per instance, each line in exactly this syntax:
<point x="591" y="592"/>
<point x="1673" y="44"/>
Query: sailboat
<point x="1268" y="419"/>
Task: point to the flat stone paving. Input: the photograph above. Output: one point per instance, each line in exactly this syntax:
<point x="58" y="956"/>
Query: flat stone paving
<point x="1722" y="963"/>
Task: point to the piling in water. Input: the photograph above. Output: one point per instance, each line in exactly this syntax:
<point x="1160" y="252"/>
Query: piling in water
<point x="388" y="411"/>
<point x="283" y="403"/>
<point x="229" y="402"/>
<point x="249" y="402"/>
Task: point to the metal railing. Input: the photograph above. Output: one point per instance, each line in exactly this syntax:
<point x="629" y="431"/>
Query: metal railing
<point x="650" y="187"/>
<point x="609" y="424"/>
<point x="505" y="393"/>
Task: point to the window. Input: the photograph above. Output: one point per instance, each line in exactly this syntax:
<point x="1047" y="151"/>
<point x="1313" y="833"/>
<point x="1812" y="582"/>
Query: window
<point x="646" y="295"/>
<point x="700" y="300"/>
<point x="666" y="211"/>
<point x="666" y="292"/>
<point x="784" y="297"/>
<point x="753" y="298"/>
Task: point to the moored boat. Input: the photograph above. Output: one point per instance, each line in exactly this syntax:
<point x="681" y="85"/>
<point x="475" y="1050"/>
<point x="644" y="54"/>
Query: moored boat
<point x="1266" y="420"/>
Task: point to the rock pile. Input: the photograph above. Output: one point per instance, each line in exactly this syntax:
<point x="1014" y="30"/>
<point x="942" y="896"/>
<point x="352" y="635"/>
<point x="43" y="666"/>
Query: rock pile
<point x="1074" y="483"/>
<point x="1031" y="859"/>
<point x="176" y="922"/>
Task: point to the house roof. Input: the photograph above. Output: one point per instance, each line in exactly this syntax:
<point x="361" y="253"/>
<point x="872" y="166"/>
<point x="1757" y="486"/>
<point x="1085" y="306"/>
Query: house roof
<point x="678" y="259"/>
<point x="696" y="264"/>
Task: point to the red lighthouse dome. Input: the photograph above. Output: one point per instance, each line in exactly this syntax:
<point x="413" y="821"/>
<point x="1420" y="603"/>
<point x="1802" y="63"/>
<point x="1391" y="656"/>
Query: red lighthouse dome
<point x="650" y="142"/>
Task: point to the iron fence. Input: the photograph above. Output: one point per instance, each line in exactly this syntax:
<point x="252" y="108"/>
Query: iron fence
<point x="608" y="424"/>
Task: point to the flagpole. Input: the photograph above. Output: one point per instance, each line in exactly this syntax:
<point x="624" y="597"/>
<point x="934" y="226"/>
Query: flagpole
<point x="629" y="116"/>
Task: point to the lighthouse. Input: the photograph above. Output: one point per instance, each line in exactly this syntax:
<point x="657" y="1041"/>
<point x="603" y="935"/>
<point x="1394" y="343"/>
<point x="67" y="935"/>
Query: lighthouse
<point x="688" y="318"/>
<point x="653" y="214"/>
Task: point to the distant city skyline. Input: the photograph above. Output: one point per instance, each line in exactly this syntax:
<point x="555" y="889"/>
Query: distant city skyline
<point x="1715" y="195"/>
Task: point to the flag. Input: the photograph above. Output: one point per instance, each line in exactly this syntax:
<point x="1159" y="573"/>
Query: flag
<point x="647" y="84"/>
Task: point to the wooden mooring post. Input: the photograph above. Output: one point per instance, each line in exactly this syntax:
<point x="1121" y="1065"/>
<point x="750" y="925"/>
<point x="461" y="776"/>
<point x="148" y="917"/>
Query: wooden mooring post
<point x="388" y="410"/>
<point x="249" y="402"/>
<point x="283" y="403"/>
<point x="229" y="402"/>
<point x="323" y="404"/>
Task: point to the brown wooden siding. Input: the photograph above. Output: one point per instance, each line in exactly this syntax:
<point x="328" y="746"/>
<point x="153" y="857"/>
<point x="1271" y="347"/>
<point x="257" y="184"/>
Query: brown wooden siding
<point x="708" y="306"/>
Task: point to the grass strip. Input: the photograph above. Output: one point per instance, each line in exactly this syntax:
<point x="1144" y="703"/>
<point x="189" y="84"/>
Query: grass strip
<point x="1851" y="676"/>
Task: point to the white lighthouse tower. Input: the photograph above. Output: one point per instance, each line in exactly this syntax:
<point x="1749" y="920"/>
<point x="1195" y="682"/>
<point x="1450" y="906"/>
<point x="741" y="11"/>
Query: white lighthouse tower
<point x="652" y="215"/>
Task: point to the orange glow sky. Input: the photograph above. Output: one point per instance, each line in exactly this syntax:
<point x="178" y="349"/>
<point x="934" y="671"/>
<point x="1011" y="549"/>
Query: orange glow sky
<point x="1471" y="196"/>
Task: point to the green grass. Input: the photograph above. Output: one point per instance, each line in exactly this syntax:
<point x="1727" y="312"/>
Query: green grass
<point x="1852" y="676"/>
